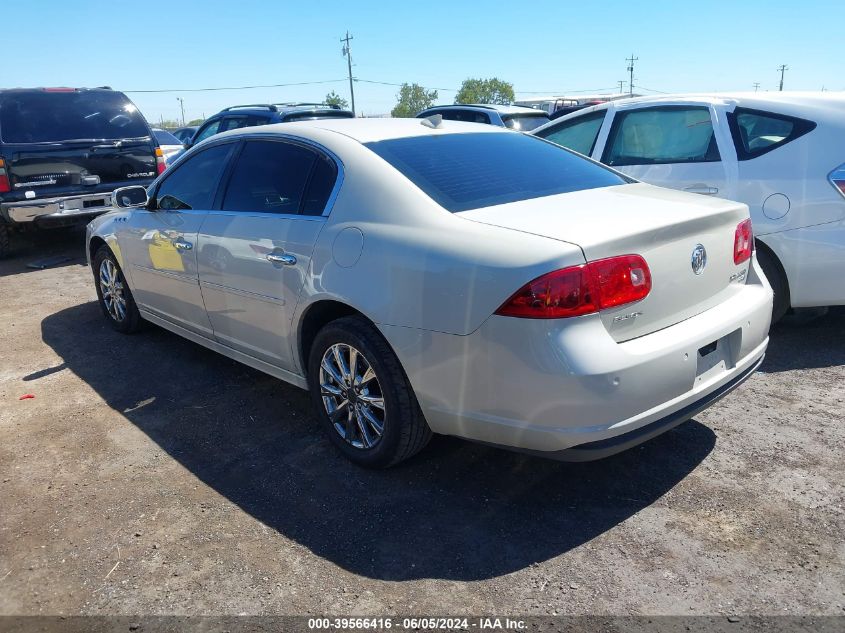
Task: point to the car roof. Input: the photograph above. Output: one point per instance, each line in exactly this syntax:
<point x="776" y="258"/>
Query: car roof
<point x="501" y="109"/>
<point x="367" y="130"/>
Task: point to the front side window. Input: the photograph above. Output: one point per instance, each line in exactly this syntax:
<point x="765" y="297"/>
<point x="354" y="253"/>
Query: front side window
<point x="269" y="177"/>
<point x="207" y="131"/>
<point x="237" y="122"/>
<point x="193" y="183"/>
<point x="577" y="134"/>
<point x="467" y="116"/>
<point x="54" y="116"/>
<point x="756" y="133"/>
<point x="669" y="134"/>
<point x="470" y="171"/>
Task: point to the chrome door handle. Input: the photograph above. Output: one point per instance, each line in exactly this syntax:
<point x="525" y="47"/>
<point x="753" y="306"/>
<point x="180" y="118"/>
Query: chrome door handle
<point x="182" y="245"/>
<point x="281" y="258"/>
<point x="703" y="189"/>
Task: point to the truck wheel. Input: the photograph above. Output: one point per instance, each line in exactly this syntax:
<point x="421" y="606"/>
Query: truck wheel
<point x="4" y="240"/>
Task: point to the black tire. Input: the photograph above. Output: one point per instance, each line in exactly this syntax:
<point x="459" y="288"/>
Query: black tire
<point x="777" y="280"/>
<point x="131" y="321"/>
<point x="4" y="239"/>
<point x="405" y="431"/>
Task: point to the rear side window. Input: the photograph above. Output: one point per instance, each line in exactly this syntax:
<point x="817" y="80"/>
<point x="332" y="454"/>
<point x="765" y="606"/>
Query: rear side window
<point x="193" y="183"/>
<point x="269" y="177"/>
<point x="756" y="133"/>
<point x="46" y="116"/>
<point x="469" y="171"/>
<point x="669" y="134"/>
<point x="578" y="134"/>
<point x="320" y="187"/>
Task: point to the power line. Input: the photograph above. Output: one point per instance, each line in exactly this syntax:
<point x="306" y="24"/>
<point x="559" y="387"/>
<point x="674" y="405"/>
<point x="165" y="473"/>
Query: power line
<point x="297" y="83"/>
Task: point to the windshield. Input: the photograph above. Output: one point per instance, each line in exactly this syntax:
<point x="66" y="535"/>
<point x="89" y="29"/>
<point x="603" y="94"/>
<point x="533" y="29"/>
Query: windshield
<point x="166" y="138"/>
<point x="44" y="116"/>
<point x="525" y="122"/>
<point x="469" y="171"/>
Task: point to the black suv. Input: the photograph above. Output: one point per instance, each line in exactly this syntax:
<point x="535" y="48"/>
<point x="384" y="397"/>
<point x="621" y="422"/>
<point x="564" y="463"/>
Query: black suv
<point x="238" y="116"/>
<point x="64" y="150"/>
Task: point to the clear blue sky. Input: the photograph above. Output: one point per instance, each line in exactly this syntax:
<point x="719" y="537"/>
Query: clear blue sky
<point x="548" y="47"/>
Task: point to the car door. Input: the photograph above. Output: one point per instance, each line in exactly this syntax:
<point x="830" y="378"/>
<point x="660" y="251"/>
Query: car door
<point x="159" y="242"/>
<point x="255" y="250"/>
<point x="677" y="146"/>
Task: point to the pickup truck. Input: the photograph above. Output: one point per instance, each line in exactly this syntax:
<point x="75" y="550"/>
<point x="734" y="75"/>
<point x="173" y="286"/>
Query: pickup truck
<point x="63" y="151"/>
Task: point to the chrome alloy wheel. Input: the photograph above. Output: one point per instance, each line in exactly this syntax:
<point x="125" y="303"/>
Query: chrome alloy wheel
<point x="111" y="286"/>
<point x="352" y="396"/>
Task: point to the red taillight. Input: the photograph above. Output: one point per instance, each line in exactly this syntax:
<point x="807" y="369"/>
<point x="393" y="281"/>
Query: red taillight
<point x="5" y="187"/>
<point x="743" y="242"/>
<point x="161" y="165"/>
<point x="590" y="287"/>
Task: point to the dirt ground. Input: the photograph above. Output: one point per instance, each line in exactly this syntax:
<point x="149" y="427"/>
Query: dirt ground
<point x="150" y="476"/>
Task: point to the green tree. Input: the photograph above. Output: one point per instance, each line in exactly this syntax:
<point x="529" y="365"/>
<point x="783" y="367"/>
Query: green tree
<point x="335" y="99"/>
<point x="412" y="99"/>
<point x="485" y="91"/>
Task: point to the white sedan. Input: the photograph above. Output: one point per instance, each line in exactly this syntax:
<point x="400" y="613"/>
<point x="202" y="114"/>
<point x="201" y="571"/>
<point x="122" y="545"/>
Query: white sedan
<point x="779" y="153"/>
<point x="424" y="276"/>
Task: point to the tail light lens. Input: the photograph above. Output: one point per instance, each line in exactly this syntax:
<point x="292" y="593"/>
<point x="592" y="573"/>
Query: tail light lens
<point x="5" y="186"/>
<point x="837" y="178"/>
<point x="743" y="242"/>
<point x="584" y="289"/>
<point x="160" y="164"/>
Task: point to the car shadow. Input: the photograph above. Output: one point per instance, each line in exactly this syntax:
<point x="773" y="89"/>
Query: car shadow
<point x="50" y="248"/>
<point x="800" y="342"/>
<point x="457" y="511"/>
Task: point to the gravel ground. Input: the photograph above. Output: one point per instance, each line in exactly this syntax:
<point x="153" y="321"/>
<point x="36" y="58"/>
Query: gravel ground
<point x="150" y="476"/>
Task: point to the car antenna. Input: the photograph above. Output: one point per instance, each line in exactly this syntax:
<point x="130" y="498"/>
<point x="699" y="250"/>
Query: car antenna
<point x="434" y="121"/>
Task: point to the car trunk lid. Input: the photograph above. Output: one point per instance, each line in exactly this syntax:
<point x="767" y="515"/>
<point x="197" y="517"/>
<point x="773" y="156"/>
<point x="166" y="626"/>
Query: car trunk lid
<point x="665" y="227"/>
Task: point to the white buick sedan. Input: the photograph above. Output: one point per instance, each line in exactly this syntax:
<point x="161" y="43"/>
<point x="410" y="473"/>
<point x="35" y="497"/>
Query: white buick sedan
<point x="421" y="276"/>
<point x="780" y="153"/>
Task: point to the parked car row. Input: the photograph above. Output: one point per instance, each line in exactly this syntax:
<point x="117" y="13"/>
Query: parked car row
<point x="64" y="150"/>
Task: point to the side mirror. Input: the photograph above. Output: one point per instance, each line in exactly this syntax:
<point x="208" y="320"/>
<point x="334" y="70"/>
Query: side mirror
<point x="132" y="197"/>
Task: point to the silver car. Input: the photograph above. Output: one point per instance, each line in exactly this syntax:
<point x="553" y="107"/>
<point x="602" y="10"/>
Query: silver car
<point x="422" y="276"/>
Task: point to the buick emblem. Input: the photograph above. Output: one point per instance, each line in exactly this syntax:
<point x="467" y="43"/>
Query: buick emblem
<point x="699" y="259"/>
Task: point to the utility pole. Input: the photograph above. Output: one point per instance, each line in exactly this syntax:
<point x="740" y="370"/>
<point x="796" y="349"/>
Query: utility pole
<point x="621" y="83"/>
<point x="182" y="105"/>
<point x="348" y="53"/>
<point x="631" y="61"/>
<point x="782" y="68"/>
<point x="756" y="86"/>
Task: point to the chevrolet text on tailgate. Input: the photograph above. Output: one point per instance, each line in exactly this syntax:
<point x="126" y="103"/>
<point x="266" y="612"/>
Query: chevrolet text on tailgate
<point x="427" y="276"/>
<point x="64" y="150"/>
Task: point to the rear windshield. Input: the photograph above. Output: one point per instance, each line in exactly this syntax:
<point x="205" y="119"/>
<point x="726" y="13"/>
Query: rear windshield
<point x="525" y="122"/>
<point x="43" y="117"/>
<point x="469" y="171"/>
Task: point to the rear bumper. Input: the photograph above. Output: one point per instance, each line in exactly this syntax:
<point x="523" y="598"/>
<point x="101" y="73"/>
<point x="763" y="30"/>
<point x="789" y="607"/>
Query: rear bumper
<point x="58" y="208"/>
<point x="611" y="446"/>
<point x="548" y="386"/>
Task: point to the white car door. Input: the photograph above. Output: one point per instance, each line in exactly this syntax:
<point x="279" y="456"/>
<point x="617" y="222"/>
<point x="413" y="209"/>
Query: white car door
<point x="255" y="250"/>
<point x="684" y="146"/>
<point x="159" y="243"/>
